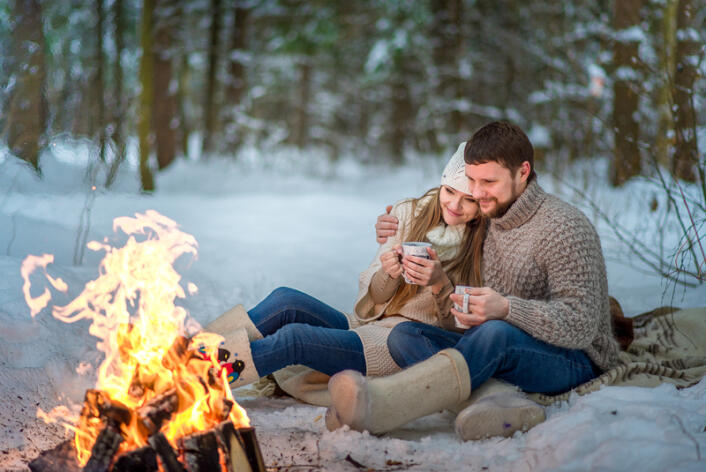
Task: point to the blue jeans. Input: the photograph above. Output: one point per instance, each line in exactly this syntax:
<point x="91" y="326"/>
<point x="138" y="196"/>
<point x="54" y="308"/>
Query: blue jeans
<point x="299" y="329"/>
<point x="496" y="349"/>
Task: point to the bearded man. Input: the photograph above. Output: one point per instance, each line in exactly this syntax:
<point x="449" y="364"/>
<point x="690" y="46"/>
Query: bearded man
<point x="540" y="322"/>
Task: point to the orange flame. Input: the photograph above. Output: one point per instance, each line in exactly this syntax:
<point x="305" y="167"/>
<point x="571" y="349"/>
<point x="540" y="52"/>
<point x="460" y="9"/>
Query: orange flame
<point x="133" y="315"/>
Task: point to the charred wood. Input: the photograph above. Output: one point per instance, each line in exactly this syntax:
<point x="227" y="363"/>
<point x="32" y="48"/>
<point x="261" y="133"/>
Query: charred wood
<point x="153" y="413"/>
<point x="177" y="354"/>
<point x="98" y="404"/>
<point x="252" y="448"/>
<point x="164" y="450"/>
<point x="104" y="449"/>
<point x="201" y="452"/>
<point x="143" y="459"/>
<point x="136" y="388"/>
<point x="62" y="457"/>
<point x="243" y="449"/>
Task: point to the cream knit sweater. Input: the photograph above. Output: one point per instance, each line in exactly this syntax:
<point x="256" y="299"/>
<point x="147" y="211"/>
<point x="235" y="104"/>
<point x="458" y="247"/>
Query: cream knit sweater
<point x="546" y="257"/>
<point x="371" y="321"/>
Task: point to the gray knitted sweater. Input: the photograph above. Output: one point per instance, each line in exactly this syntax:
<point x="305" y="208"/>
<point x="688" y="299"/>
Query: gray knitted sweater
<point x="546" y="258"/>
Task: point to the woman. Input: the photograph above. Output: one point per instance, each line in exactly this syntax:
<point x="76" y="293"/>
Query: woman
<point x="289" y="327"/>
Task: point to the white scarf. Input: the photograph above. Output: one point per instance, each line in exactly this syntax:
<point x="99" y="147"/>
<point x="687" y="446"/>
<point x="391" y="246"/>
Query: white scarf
<point x="446" y="240"/>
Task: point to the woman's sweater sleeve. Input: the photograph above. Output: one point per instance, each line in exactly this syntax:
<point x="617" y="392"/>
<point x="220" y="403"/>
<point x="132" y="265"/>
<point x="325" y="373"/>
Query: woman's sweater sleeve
<point x="383" y="287"/>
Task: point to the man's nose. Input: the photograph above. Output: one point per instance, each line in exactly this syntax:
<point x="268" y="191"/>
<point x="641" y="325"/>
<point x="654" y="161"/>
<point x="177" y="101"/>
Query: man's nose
<point x="476" y="190"/>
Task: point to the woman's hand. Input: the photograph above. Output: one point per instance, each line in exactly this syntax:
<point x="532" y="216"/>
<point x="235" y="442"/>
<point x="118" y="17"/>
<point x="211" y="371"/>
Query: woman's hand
<point x="391" y="262"/>
<point x="424" y="272"/>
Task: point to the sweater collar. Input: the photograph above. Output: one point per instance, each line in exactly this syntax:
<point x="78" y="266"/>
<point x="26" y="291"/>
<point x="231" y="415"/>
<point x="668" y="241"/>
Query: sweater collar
<point x="523" y="208"/>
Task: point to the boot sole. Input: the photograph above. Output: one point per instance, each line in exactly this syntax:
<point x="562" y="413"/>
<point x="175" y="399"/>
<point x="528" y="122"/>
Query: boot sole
<point x="349" y="400"/>
<point x="483" y="421"/>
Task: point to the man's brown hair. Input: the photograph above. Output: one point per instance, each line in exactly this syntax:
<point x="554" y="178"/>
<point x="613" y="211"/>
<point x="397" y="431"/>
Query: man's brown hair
<point x="500" y="142"/>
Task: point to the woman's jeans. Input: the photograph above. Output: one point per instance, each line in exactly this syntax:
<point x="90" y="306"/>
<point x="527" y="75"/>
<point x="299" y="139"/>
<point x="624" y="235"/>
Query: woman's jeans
<point x="496" y="349"/>
<point x="299" y="329"/>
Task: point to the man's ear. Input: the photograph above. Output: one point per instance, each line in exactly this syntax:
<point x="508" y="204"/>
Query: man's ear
<point x="525" y="170"/>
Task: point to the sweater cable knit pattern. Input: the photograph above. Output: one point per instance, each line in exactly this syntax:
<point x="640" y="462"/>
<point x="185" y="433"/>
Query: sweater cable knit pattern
<point x="545" y="256"/>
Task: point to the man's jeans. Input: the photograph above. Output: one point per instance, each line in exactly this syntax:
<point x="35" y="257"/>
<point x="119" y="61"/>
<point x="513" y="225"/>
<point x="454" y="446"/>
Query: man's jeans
<point x="496" y="349"/>
<point x="299" y="329"/>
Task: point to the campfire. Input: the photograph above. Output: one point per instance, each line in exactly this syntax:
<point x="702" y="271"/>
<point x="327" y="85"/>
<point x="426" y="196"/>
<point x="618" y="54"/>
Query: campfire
<point x="161" y="399"/>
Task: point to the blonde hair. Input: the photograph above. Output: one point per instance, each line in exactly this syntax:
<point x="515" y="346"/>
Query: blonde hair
<point x="464" y="267"/>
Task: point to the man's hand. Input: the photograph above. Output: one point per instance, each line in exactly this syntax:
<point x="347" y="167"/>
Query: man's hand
<point x="391" y="262"/>
<point x="423" y="271"/>
<point x="385" y="226"/>
<point x="483" y="304"/>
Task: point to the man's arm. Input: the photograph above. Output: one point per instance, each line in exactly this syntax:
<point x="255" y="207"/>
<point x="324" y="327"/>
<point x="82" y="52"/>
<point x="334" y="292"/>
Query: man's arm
<point x="577" y="289"/>
<point x="385" y="226"/>
<point x="576" y="280"/>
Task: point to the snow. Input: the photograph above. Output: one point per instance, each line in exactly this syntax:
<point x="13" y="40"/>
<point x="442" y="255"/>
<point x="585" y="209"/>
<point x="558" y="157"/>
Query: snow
<point x="632" y="34"/>
<point x="270" y="220"/>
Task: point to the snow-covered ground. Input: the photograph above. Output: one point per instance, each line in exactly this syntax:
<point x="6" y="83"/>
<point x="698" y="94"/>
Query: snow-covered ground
<point x="274" y="219"/>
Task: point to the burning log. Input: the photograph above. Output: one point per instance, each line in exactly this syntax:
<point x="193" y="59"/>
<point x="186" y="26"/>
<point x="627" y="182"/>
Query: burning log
<point x="221" y="448"/>
<point x="97" y="404"/>
<point x="153" y="413"/>
<point x="164" y="450"/>
<point x="243" y="448"/>
<point x="136" y="389"/>
<point x="143" y="459"/>
<point x="104" y="449"/>
<point x="177" y="354"/>
<point x="201" y="452"/>
<point x="221" y="407"/>
<point x="204" y="369"/>
<point x="61" y="458"/>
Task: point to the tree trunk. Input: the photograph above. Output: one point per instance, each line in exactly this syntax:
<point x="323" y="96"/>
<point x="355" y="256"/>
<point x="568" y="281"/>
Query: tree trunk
<point x="237" y="80"/>
<point x="118" y="134"/>
<point x="182" y="93"/>
<point x="165" y="106"/>
<point x="447" y="43"/>
<point x="686" y="151"/>
<point x="626" y="153"/>
<point x="402" y="113"/>
<point x="210" y="107"/>
<point x="667" y="53"/>
<point x="146" y="94"/>
<point x="100" y="81"/>
<point x="301" y="125"/>
<point x="27" y="110"/>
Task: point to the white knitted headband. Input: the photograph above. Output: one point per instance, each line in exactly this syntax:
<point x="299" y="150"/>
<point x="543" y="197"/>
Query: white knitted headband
<point x="454" y="174"/>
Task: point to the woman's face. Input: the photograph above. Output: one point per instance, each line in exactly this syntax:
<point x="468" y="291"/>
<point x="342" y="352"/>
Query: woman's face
<point x="457" y="207"/>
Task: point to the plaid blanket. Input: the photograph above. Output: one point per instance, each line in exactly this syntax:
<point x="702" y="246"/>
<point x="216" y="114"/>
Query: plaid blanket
<point x="669" y="345"/>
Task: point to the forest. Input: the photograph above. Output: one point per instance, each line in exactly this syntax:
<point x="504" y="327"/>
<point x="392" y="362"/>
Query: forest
<point x="623" y="80"/>
<point x="269" y="134"/>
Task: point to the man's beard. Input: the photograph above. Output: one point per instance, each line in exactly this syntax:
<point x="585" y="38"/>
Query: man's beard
<point x="500" y="210"/>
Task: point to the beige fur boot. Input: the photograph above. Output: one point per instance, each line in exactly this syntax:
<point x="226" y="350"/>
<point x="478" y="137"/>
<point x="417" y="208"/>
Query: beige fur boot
<point x="235" y="357"/>
<point x="233" y="319"/>
<point x="382" y="404"/>
<point x="500" y="411"/>
<point x="304" y="384"/>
